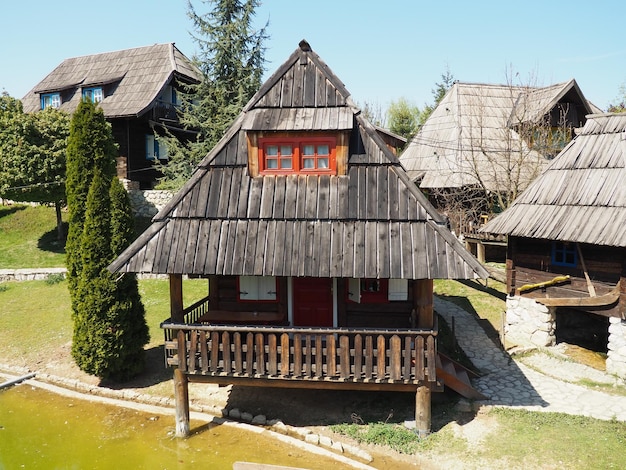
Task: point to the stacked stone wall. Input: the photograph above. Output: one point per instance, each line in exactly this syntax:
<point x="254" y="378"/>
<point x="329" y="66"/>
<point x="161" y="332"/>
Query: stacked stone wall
<point x="616" y="359"/>
<point x="146" y="203"/>
<point x="529" y="323"/>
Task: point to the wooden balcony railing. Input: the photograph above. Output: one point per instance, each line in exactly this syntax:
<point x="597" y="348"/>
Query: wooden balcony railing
<point x="304" y="357"/>
<point x="191" y="314"/>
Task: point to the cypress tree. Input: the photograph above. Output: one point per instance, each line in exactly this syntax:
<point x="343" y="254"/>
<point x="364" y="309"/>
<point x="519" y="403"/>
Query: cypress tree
<point x="89" y="145"/>
<point x="95" y="288"/>
<point x="109" y="319"/>
<point x="128" y="309"/>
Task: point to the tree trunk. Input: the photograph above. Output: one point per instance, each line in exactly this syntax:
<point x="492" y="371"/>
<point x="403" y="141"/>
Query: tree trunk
<point x="60" y="231"/>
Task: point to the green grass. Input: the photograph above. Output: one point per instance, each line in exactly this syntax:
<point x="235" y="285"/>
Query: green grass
<point x="557" y="440"/>
<point x="36" y="319"/>
<point x="395" y="436"/>
<point x="28" y="238"/>
<point x="487" y="303"/>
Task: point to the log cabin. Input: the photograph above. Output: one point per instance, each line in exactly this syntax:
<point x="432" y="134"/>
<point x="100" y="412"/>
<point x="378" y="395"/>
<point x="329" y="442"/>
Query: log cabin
<point x="138" y="90"/>
<point x="566" y="253"/>
<point x="490" y="138"/>
<point x="319" y="252"/>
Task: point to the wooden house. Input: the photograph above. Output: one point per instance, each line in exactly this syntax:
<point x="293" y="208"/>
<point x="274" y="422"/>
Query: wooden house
<point x="566" y="256"/>
<point x="138" y="91"/>
<point x="318" y="249"/>
<point x="490" y="138"/>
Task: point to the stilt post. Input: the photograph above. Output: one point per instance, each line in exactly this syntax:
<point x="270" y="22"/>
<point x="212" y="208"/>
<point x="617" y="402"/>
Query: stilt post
<point x="422" y="411"/>
<point x="181" y="395"/>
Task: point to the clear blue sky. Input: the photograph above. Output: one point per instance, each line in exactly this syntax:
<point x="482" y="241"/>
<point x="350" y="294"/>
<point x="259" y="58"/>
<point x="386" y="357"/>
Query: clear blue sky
<point x="381" y="50"/>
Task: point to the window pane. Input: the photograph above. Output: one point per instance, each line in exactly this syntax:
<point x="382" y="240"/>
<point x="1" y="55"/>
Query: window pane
<point x="308" y="150"/>
<point x="272" y="163"/>
<point x="308" y="163"/>
<point x="285" y="150"/>
<point x="322" y="149"/>
<point x="322" y="162"/>
<point x="97" y="95"/>
<point x="285" y="163"/>
<point x="271" y="150"/>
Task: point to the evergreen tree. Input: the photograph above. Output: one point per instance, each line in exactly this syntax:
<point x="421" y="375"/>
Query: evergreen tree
<point x="89" y="145"/>
<point x="231" y="60"/>
<point x="109" y="319"/>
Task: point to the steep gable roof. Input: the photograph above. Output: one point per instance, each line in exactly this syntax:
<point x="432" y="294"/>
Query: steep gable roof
<point x="372" y="222"/>
<point x="139" y="75"/>
<point x="473" y="129"/>
<point x="581" y="196"/>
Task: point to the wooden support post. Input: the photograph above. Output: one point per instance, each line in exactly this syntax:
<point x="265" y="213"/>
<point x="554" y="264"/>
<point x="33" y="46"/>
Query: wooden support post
<point x="181" y="395"/>
<point x="480" y="252"/>
<point x="422" y="411"/>
<point x="423" y="301"/>
<point x="176" y="298"/>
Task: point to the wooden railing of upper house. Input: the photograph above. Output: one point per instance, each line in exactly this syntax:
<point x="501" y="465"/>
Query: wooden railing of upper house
<point x="330" y="358"/>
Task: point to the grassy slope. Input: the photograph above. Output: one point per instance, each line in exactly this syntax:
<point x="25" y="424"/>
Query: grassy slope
<point x="28" y="238"/>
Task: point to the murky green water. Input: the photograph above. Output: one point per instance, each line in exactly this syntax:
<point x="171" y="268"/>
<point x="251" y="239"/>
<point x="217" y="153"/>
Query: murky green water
<point x="41" y="430"/>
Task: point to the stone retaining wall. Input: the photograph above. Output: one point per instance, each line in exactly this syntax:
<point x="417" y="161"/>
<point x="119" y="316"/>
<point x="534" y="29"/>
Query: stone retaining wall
<point x="529" y="323"/>
<point x="146" y="203"/>
<point x="34" y="274"/>
<point x="616" y="359"/>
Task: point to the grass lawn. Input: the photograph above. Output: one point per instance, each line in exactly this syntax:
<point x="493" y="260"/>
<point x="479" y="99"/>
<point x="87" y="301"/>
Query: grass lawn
<point x="47" y="306"/>
<point x="28" y="238"/>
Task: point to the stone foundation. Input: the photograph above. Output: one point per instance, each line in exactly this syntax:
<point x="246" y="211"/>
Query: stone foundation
<point x="529" y="323"/>
<point x="616" y="359"/>
<point x="146" y="203"/>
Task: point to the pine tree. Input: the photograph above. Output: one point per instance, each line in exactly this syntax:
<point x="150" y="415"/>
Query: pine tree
<point x="231" y="60"/>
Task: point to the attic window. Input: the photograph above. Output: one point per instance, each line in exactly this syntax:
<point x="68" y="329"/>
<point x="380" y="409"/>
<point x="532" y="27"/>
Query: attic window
<point x="305" y="155"/>
<point x="94" y="94"/>
<point x="50" y="100"/>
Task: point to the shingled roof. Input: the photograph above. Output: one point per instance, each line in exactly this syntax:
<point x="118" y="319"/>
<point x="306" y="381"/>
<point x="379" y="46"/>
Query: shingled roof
<point x="139" y="76"/>
<point x="372" y="222"/>
<point x="472" y="130"/>
<point x="581" y="196"/>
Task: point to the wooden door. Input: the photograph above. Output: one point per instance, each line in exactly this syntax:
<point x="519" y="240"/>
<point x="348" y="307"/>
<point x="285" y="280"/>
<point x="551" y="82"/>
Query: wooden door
<point x="312" y="301"/>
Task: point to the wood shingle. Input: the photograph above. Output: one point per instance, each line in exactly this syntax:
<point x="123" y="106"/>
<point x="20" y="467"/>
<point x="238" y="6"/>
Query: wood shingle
<point x="371" y="222"/>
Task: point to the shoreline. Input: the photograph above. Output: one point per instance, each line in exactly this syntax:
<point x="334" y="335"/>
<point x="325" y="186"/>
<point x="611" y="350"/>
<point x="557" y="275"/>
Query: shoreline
<point x="165" y="407"/>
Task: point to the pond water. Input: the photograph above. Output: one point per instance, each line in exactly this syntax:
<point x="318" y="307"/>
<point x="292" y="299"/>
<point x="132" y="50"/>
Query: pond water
<point x="42" y="430"/>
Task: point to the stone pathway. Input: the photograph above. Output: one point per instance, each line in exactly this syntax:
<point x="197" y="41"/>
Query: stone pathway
<point x="509" y="382"/>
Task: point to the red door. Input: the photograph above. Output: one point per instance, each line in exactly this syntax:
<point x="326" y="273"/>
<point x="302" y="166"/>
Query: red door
<point x="312" y="301"/>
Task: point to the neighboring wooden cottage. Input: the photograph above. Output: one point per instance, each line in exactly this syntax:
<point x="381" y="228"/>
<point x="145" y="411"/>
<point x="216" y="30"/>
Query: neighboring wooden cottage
<point x="566" y="259"/>
<point x="318" y="249"/>
<point x="138" y="90"/>
<point x="490" y="139"/>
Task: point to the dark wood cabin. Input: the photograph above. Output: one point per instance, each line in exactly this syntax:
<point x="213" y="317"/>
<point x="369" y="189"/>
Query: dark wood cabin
<point x="318" y="250"/>
<point x="138" y="90"/>
<point x="490" y="138"/>
<point x="567" y="235"/>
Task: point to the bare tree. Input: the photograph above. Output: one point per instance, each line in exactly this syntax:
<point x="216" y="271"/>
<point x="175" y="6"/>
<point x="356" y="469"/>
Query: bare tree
<point x="505" y="143"/>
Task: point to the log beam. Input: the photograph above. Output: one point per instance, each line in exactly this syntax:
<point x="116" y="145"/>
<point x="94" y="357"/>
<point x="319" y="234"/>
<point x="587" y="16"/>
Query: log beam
<point x="422" y="411"/>
<point x="423" y="301"/>
<point x="181" y="396"/>
<point x="176" y="298"/>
